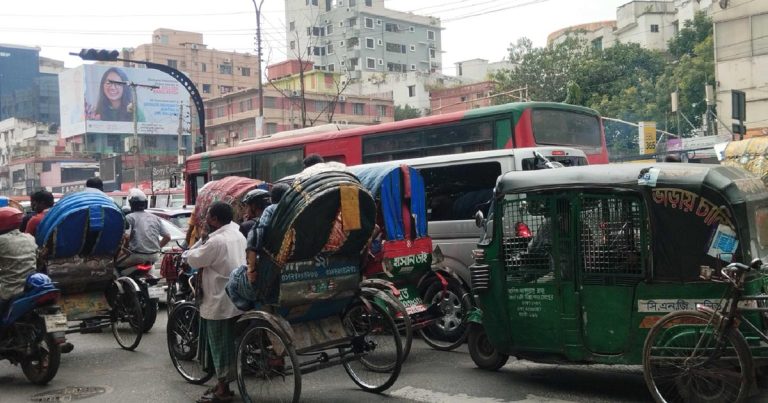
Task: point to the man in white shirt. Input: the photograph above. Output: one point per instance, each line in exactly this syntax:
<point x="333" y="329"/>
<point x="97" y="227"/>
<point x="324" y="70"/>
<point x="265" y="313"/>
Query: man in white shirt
<point x="222" y="252"/>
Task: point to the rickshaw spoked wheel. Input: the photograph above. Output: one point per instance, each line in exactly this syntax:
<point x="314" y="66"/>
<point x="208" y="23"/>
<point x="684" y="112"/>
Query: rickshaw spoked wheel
<point x="684" y="359"/>
<point x="183" y="336"/>
<point x="126" y="314"/>
<point x="483" y="353"/>
<point x="450" y="331"/>
<point x="268" y="368"/>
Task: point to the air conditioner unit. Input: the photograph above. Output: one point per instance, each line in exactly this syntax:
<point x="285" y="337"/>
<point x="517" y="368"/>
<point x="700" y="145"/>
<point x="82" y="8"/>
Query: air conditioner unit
<point x="194" y="46"/>
<point x="342" y="98"/>
<point x="377" y="119"/>
<point x="227" y="60"/>
<point x="295" y="93"/>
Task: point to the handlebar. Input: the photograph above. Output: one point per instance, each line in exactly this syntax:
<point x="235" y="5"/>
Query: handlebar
<point x="738" y="269"/>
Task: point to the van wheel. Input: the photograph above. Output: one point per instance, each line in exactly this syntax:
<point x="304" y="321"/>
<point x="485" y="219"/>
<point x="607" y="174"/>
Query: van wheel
<point x="485" y="355"/>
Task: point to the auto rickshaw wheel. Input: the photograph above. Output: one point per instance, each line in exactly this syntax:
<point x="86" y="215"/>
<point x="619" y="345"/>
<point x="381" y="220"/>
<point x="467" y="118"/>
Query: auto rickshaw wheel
<point x="483" y="353"/>
<point x="686" y="359"/>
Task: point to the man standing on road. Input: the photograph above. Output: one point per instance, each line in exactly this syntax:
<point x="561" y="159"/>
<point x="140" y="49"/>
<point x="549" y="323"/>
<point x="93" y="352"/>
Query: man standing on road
<point x="222" y="252"/>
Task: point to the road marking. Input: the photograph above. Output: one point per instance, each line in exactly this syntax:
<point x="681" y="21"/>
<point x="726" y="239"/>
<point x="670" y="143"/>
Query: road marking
<point x="429" y="396"/>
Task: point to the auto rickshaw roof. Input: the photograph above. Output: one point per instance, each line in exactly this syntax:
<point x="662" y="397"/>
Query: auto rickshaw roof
<point x="736" y="184"/>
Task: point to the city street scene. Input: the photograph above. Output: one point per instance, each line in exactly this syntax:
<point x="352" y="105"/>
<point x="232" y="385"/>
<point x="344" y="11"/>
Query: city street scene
<point x="384" y="200"/>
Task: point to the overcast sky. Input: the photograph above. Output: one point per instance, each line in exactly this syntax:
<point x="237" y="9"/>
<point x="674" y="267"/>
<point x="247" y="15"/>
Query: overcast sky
<point x="471" y="28"/>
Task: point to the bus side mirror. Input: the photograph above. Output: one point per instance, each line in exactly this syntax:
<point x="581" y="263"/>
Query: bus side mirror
<point x="479" y="219"/>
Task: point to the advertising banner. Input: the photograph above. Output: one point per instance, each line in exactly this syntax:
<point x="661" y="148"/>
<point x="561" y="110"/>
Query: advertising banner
<point x="100" y="99"/>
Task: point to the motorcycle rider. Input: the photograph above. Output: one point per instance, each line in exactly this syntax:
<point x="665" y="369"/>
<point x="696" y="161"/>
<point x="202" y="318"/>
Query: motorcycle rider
<point x="146" y="234"/>
<point x="256" y="201"/>
<point x="17" y="255"/>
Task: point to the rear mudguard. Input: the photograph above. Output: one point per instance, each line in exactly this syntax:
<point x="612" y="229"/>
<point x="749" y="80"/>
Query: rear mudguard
<point x="379" y="297"/>
<point x="445" y="272"/>
<point x="277" y="322"/>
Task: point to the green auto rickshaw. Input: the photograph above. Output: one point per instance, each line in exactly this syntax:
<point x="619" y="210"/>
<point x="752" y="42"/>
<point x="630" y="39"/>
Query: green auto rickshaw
<point x="583" y="261"/>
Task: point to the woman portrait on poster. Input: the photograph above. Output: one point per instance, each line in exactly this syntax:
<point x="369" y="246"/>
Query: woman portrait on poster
<point x="115" y="100"/>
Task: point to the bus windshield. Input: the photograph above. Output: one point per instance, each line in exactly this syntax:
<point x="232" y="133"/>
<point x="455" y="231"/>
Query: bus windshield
<point x="559" y="127"/>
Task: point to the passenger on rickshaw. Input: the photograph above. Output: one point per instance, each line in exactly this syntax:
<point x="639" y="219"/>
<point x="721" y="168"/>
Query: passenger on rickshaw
<point x="18" y="252"/>
<point x="312" y="159"/>
<point x="43" y="202"/>
<point x="218" y="256"/>
<point x="255" y="202"/>
<point x="259" y="231"/>
<point x="146" y="234"/>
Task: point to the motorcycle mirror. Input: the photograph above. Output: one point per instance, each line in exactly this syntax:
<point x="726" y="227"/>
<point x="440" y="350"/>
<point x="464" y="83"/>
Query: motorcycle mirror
<point x="479" y="219"/>
<point x="756" y="263"/>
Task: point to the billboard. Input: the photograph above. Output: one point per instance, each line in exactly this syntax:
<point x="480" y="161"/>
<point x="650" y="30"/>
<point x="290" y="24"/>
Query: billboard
<point x="99" y="99"/>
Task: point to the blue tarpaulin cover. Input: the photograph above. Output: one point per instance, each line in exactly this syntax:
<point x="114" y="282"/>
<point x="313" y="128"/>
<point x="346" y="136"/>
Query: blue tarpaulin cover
<point x="82" y="223"/>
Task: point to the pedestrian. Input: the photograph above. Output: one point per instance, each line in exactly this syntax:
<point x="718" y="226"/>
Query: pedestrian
<point x="222" y="252"/>
<point x="146" y="233"/>
<point x="255" y="201"/>
<point x="259" y="231"/>
<point x="312" y="159"/>
<point x="43" y="200"/>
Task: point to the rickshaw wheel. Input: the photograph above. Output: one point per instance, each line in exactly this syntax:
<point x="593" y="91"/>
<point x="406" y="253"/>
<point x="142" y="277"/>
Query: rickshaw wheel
<point x="403" y="322"/>
<point x="377" y="347"/>
<point x="182" y="335"/>
<point x="450" y="331"/>
<point x="126" y="315"/>
<point x="483" y="353"/>
<point x="267" y="365"/>
<point x="685" y="359"/>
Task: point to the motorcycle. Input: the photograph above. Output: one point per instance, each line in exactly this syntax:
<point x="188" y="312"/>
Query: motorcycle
<point x="149" y="296"/>
<point x="32" y="330"/>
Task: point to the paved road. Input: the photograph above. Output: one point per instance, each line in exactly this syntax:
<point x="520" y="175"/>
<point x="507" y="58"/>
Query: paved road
<point x="147" y="375"/>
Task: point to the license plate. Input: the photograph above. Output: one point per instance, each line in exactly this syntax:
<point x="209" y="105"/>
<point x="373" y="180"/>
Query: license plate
<point x="156" y="292"/>
<point x="416" y="309"/>
<point x="55" y="323"/>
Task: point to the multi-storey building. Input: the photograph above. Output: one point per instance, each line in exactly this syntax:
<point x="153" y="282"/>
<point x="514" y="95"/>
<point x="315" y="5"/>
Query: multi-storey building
<point x="741" y="60"/>
<point x="214" y="72"/>
<point x="29" y="86"/>
<point x="462" y="97"/>
<point x="649" y="23"/>
<point x="31" y="157"/>
<point x="233" y="117"/>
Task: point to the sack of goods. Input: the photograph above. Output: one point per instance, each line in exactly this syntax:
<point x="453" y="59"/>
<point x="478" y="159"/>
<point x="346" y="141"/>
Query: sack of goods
<point x="81" y="224"/>
<point x="324" y="216"/>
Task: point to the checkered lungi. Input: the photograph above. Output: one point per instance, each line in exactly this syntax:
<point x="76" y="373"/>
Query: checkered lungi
<point x="217" y="345"/>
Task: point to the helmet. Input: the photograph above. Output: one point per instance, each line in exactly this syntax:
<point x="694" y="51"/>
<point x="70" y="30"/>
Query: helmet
<point x="137" y="199"/>
<point x="259" y="197"/>
<point x="38" y="280"/>
<point x="10" y="219"/>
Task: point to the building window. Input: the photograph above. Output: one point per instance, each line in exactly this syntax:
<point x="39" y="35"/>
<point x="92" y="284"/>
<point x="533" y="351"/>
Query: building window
<point x="381" y="62"/>
<point x="312" y="2"/>
<point x="378" y="22"/>
<point x="353" y="63"/>
<point x="432" y="53"/>
<point x="225" y="89"/>
<point x="206" y="88"/>
<point x="353" y="42"/>
<point x="246" y="71"/>
<point x="598" y="43"/>
<point x="358" y="109"/>
<point x="369" y="22"/>
<point x="292" y="26"/>
<point x="173" y="63"/>
<point x="203" y="67"/>
<point x="369" y="3"/>
<point x="413" y="48"/>
<point x="331" y="67"/>
<point x="225" y="68"/>
<point x="293" y="44"/>
<point x="391" y="27"/>
<point x="654" y="28"/>
<point x="329" y="29"/>
<point x="352" y="22"/>
<point x="413" y="67"/>
<point x="271" y="128"/>
<point x="329" y="48"/>
<point x="380" y="42"/>
<point x="381" y="110"/>
<point x="395" y="48"/>
<point x="352" y="3"/>
<point x="270" y="102"/>
<point x="341" y="43"/>
<point x="411" y="91"/>
<point x="370" y="43"/>
<point x="370" y="62"/>
<point x="431" y="35"/>
<point x="396" y="67"/>
<point x="412" y="29"/>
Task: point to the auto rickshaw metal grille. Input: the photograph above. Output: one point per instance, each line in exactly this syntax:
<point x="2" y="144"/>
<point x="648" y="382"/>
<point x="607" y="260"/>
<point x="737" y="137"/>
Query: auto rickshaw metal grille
<point x="527" y="241"/>
<point x="610" y="238"/>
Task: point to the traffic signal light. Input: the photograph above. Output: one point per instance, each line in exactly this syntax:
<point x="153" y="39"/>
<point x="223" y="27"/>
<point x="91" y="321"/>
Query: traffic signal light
<point x="101" y="55"/>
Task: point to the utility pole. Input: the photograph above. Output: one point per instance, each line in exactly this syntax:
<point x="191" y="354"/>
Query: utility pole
<point x="137" y="153"/>
<point x="260" y="120"/>
<point x="180" y="143"/>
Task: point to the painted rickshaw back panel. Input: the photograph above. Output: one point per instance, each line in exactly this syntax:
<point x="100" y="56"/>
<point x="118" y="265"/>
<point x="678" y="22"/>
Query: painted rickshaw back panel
<point x="610" y="250"/>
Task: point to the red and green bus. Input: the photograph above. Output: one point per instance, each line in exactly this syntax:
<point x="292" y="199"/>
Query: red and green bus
<point x="513" y="125"/>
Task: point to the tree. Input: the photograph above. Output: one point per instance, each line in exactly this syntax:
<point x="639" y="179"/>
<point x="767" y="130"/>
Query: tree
<point x="519" y="49"/>
<point x="406" y="112"/>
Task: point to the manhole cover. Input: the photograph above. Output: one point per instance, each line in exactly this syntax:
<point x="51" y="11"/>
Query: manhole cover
<point x="69" y="394"/>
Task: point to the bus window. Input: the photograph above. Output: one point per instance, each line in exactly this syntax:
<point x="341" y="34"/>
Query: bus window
<point x="559" y="127"/>
<point x="456" y="192"/>
<point x="273" y="166"/>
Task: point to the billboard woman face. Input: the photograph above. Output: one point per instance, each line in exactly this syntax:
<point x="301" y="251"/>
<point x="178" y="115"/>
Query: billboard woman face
<point x="113" y="91"/>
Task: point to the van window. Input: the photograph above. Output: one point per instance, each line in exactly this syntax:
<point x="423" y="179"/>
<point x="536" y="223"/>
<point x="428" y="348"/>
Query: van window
<point x="456" y="192"/>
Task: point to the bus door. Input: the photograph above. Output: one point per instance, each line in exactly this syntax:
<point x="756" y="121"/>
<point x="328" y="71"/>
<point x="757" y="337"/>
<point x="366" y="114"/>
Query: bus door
<point x="195" y="182"/>
<point x="611" y="255"/>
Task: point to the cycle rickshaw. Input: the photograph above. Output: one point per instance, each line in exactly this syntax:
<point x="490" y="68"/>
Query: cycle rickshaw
<point x="310" y="313"/>
<point x="582" y="262"/>
<point x="78" y="240"/>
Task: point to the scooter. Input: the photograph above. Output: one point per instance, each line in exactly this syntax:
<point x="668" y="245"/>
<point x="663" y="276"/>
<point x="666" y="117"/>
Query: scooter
<point x="32" y="330"/>
<point x="149" y="296"/>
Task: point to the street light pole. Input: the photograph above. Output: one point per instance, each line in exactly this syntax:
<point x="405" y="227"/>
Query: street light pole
<point x="258" y="52"/>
